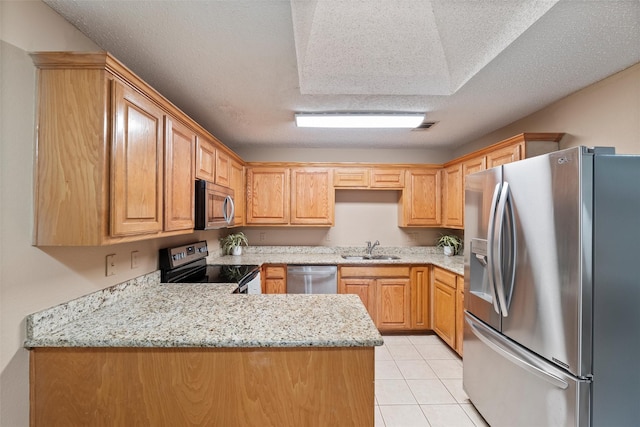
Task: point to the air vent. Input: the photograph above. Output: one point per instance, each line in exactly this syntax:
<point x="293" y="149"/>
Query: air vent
<point x="425" y="126"/>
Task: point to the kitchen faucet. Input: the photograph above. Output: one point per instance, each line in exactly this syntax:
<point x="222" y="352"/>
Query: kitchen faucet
<point x="370" y="247"/>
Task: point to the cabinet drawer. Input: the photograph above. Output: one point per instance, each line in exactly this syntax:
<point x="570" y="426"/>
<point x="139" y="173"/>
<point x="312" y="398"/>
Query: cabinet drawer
<point x="375" y="271"/>
<point x="274" y="272"/>
<point x="387" y="178"/>
<point x="351" y="178"/>
<point x="445" y="277"/>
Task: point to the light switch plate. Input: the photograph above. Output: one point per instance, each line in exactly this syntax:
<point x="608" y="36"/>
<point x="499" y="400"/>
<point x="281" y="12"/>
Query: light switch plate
<point x="111" y="265"/>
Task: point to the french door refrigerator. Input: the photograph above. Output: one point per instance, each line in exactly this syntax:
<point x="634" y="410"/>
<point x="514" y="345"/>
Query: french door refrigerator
<point x="552" y="290"/>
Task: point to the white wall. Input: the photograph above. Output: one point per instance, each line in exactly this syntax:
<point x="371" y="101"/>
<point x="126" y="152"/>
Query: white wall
<point x="606" y="113"/>
<point x="32" y="279"/>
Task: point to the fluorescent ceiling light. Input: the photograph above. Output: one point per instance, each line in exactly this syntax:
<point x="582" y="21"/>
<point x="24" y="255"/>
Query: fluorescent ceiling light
<point x="359" y="120"/>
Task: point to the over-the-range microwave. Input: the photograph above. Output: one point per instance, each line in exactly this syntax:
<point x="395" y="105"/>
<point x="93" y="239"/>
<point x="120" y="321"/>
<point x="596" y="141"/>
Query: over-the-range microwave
<point x="214" y="206"/>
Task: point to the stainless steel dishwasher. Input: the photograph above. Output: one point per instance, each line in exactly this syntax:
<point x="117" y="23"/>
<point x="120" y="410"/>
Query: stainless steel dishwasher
<point x="312" y="279"/>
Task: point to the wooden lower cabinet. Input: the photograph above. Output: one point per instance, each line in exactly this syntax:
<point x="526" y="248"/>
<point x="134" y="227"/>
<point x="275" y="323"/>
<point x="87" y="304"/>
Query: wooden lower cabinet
<point x="274" y="279"/>
<point x="396" y="297"/>
<point x="459" y="314"/>
<point x="202" y="386"/>
<point x="447" y="308"/>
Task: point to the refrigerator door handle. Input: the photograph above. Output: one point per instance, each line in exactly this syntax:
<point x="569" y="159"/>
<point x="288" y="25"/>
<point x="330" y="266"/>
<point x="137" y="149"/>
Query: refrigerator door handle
<point x="498" y="247"/>
<point x="491" y="256"/>
<point x="530" y="365"/>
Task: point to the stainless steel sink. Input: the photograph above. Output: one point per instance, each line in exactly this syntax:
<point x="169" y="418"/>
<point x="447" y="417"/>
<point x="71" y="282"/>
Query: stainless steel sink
<point x="354" y="257"/>
<point x="373" y="257"/>
<point x="387" y="257"/>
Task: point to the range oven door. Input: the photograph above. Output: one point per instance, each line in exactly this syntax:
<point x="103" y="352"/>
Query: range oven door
<point x="214" y="206"/>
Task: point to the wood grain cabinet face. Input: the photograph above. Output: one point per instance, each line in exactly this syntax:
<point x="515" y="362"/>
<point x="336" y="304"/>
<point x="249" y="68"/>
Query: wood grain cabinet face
<point x="180" y="144"/>
<point x="223" y="169"/>
<point x="312" y="196"/>
<point x="504" y="155"/>
<point x="268" y="196"/>
<point x="349" y="177"/>
<point x="420" y="286"/>
<point x="389" y="178"/>
<point x="444" y="305"/>
<point x="365" y="288"/>
<point x="205" y="159"/>
<point x="136" y="164"/>
<point x="420" y="200"/>
<point x="452" y="200"/>
<point x="384" y="290"/>
<point x="275" y="279"/>
<point x="393" y="301"/>
<point x="238" y="186"/>
<point x="459" y="314"/>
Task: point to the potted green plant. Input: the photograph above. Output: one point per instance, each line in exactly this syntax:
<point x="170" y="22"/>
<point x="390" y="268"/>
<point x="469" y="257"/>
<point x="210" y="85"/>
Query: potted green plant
<point x="450" y="243"/>
<point x="232" y="244"/>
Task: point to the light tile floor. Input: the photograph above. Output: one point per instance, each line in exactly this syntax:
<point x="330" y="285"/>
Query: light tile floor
<point x="419" y="383"/>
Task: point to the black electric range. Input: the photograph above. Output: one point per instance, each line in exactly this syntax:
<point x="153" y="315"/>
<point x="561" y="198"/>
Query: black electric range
<point x="188" y="264"/>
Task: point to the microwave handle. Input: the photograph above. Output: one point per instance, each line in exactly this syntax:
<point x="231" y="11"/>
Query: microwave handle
<point x="228" y="202"/>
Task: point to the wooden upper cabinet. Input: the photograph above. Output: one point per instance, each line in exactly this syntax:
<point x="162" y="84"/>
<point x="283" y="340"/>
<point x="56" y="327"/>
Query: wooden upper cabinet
<point x="136" y="164"/>
<point x="223" y="169"/>
<point x="179" y="165"/>
<point x="268" y="195"/>
<point x="474" y="165"/>
<point x="420" y="199"/>
<point x="389" y="178"/>
<point x="452" y="200"/>
<point x="238" y="186"/>
<point x="505" y="155"/>
<point x="349" y="177"/>
<point x="312" y="196"/>
<point x="205" y="159"/>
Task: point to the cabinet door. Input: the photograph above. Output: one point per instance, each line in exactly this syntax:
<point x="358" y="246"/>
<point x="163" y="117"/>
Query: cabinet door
<point x="179" y="173"/>
<point x="387" y="178"/>
<point x="394" y="303"/>
<point x="312" y="196"/>
<point x="267" y="195"/>
<point x="421" y="198"/>
<point x="504" y="155"/>
<point x="136" y="164"/>
<point x="223" y="169"/>
<point x="420" y="298"/>
<point x="459" y="314"/>
<point x="452" y="205"/>
<point x="444" y="306"/>
<point x="275" y="279"/>
<point x="205" y="159"/>
<point x="237" y="184"/>
<point x="365" y="289"/>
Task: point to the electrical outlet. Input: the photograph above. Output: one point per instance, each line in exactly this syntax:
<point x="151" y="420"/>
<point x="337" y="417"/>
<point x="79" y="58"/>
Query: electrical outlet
<point x="111" y="265"/>
<point x="134" y="259"/>
<point x="262" y="236"/>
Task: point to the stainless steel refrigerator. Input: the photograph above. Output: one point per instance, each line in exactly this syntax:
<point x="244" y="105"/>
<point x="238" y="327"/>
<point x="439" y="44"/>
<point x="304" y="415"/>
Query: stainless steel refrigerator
<point x="552" y="290"/>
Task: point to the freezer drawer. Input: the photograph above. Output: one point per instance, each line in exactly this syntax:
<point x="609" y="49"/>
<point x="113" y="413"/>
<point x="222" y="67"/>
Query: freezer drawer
<point x="510" y="386"/>
<point x="312" y="279"/>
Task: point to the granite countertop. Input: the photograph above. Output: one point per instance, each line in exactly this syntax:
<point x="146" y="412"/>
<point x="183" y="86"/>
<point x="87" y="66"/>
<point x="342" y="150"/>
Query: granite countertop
<point x="333" y="256"/>
<point x="202" y="315"/>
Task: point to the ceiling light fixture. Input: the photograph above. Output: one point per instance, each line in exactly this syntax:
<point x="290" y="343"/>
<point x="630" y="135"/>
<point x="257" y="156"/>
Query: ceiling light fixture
<point x="359" y="120"/>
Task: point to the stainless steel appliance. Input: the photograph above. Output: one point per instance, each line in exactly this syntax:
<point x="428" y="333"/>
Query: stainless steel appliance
<point x="552" y="290"/>
<point x="312" y="279"/>
<point x="214" y="206"/>
<point x="187" y="264"/>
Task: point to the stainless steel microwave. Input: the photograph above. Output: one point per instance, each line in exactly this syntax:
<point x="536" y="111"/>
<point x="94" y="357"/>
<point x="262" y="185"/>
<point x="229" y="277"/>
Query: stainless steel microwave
<point x="214" y="206"/>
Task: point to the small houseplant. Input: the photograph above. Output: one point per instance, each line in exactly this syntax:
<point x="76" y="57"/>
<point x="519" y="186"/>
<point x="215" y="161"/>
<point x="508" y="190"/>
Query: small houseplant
<point x="450" y="243"/>
<point x="232" y="244"/>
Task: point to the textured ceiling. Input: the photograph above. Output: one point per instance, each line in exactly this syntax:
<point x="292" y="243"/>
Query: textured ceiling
<point x="242" y="68"/>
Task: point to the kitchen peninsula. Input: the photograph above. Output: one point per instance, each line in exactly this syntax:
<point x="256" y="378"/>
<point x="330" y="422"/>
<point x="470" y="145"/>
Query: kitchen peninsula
<point x="146" y="353"/>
